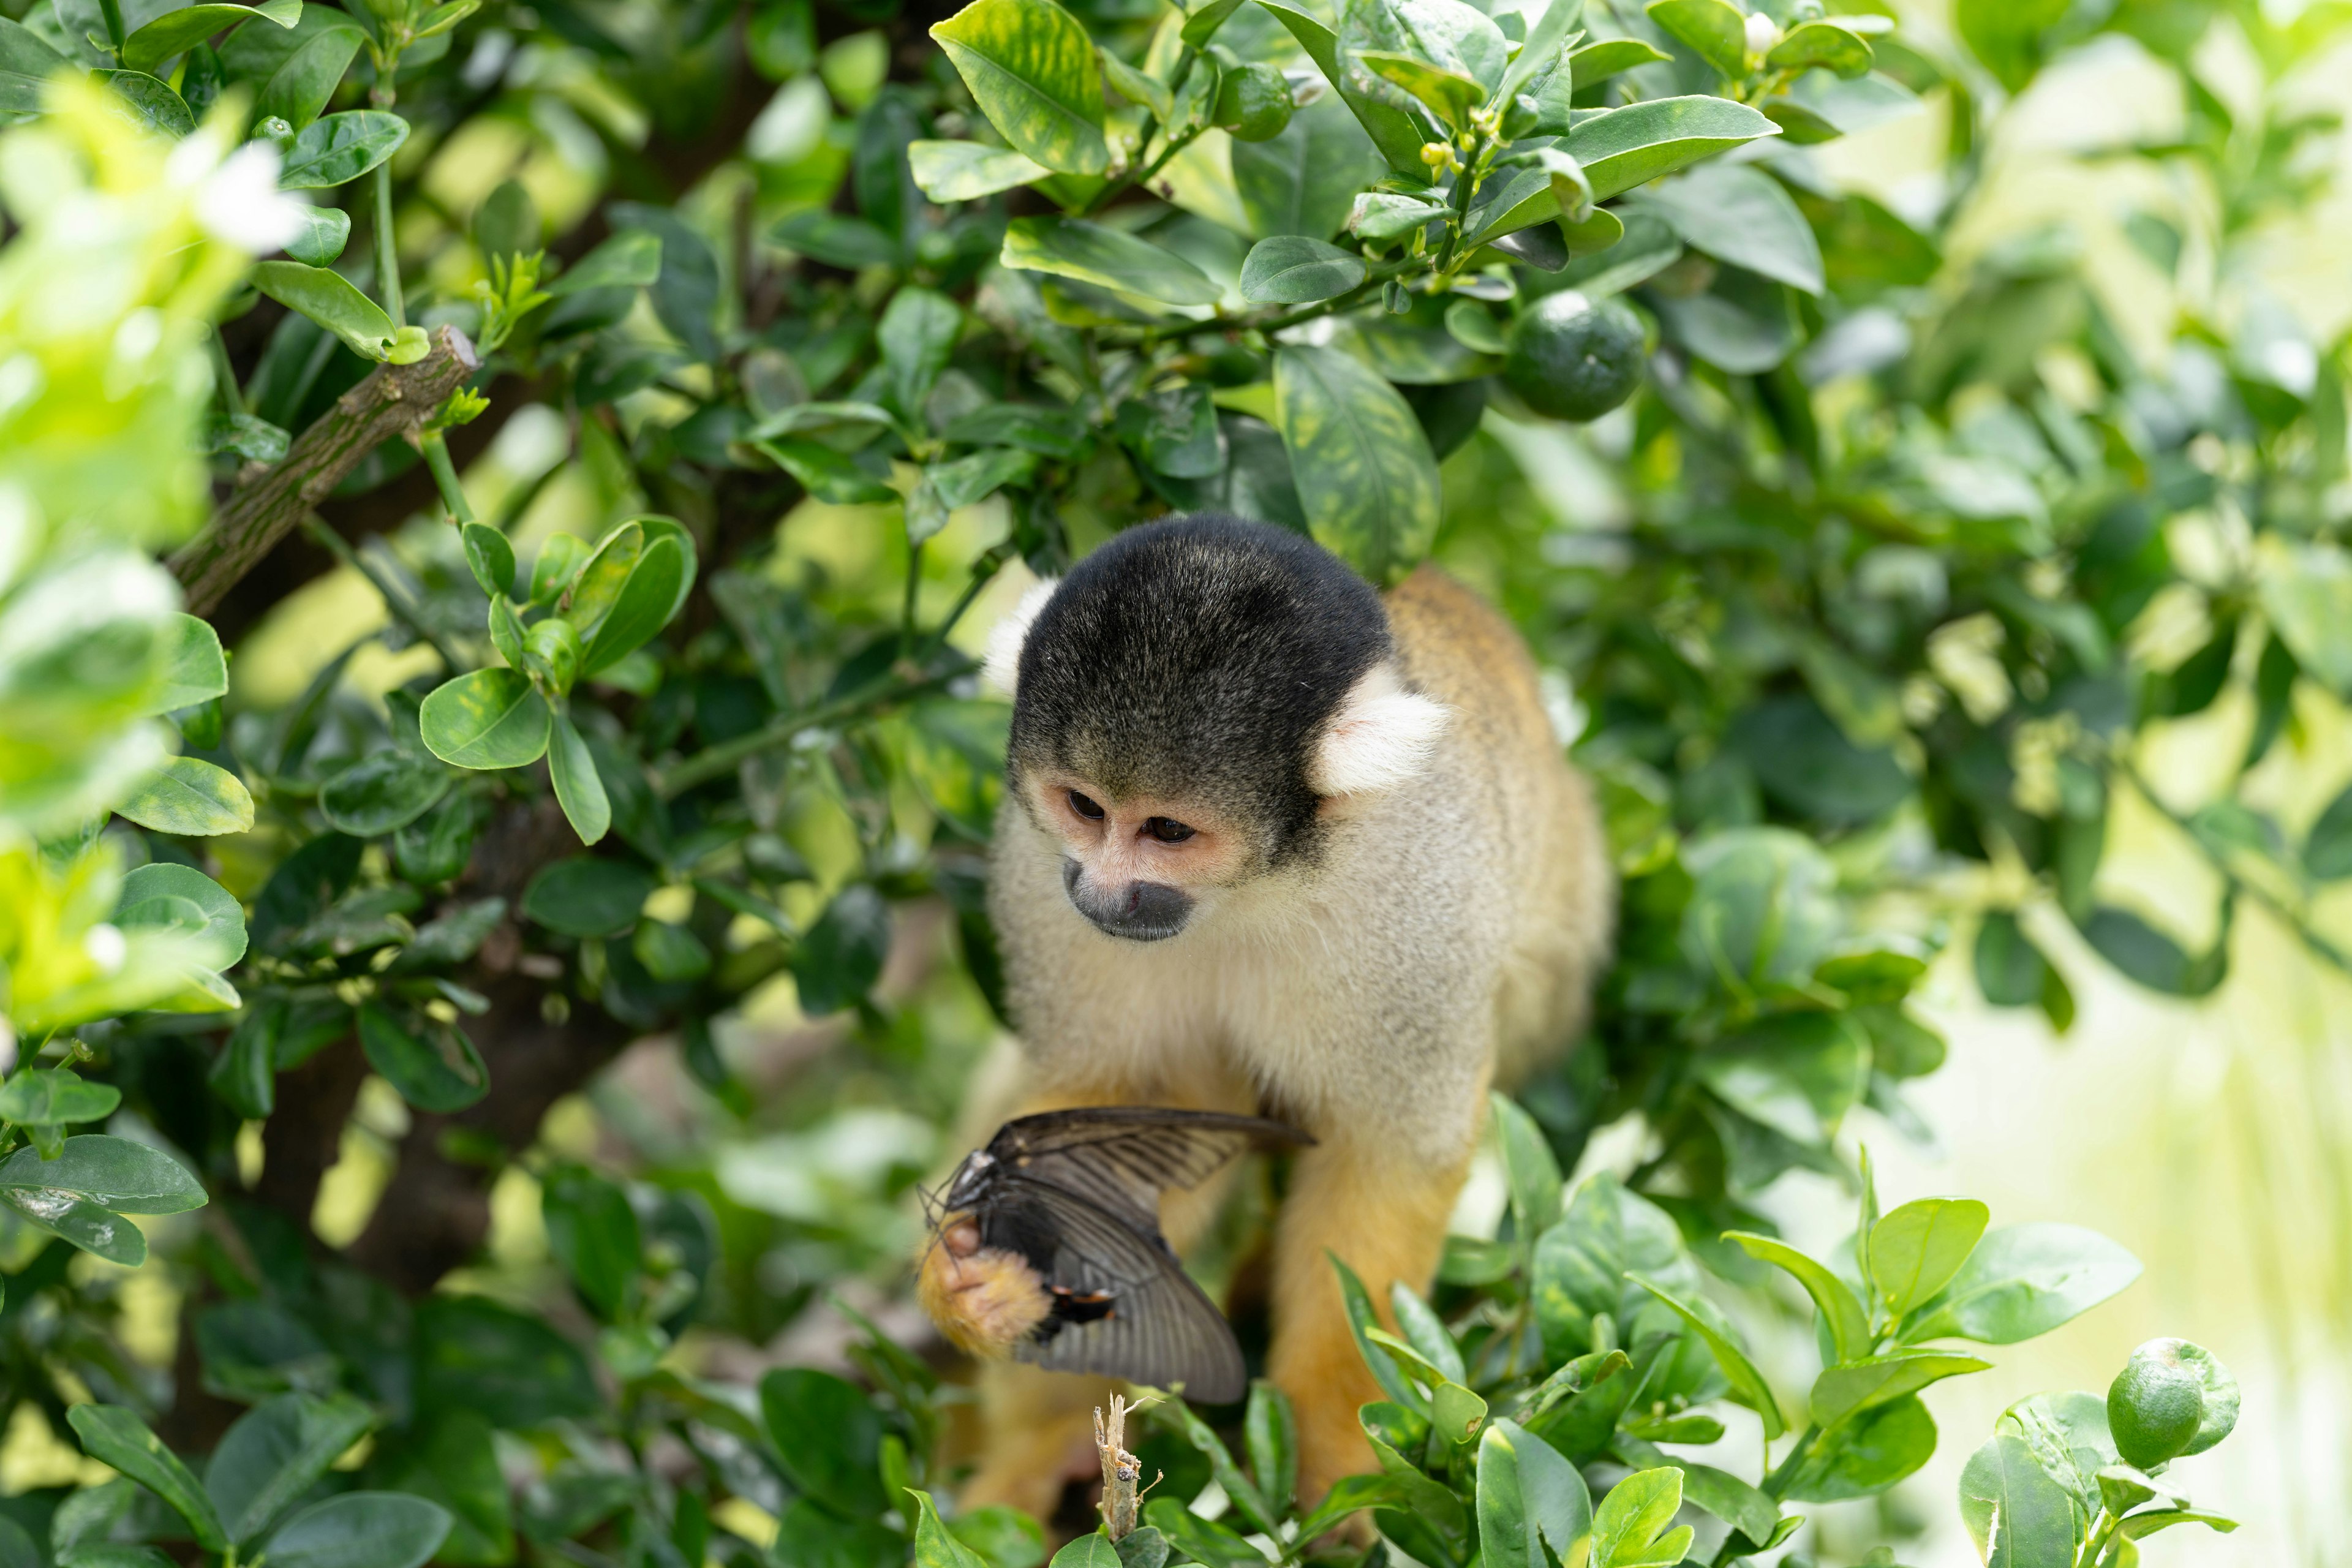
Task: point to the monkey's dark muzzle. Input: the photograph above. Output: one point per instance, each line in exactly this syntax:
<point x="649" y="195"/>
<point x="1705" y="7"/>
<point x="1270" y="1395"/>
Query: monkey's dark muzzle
<point x="1140" y="911"/>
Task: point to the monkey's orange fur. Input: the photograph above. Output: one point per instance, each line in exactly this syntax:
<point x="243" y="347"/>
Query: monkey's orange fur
<point x="984" y="1298"/>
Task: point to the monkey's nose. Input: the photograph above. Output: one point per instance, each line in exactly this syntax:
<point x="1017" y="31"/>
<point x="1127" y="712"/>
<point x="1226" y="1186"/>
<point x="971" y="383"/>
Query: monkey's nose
<point x="1139" y="911"/>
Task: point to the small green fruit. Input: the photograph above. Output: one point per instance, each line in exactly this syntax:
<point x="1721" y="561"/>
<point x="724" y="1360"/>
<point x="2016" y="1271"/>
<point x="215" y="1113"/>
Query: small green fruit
<point x="1575" y="358"/>
<point x="1253" y="103"/>
<point x="2155" y="1403"/>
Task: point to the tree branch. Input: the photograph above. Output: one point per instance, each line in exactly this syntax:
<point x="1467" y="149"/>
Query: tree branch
<point x="393" y="400"/>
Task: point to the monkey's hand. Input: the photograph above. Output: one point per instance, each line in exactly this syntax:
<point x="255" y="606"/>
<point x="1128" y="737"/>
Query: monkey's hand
<point x="985" y="1299"/>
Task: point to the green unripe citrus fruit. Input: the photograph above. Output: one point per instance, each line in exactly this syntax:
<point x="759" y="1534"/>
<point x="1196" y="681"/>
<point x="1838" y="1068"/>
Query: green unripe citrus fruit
<point x="2155" y="1404"/>
<point x="1574" y="358"/>
<point x="1253" y="103"/>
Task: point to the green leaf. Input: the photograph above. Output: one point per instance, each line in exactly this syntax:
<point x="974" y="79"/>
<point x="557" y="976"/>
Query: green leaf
<point x="2017" y="1515"/>
<point x="1797" y="1073"/>
<point x="2006" y="35"/>
<point x="647" y="598"/>
<point x="935" y="1546"/>
<point x="490" y="559"/>
<point x="2011" y="970"/>
<point x="1868" y="1454"/>
<point x="1849" y="1325"/>
<point x="26" y="64"/>
<point x="1202" y="25"/>
<point x="489" y="719"/>
<point x="630" y="259"/>
<point x="1451" y="95"/>
<point x="916" y="333"/>
<point x="382" y="792"/>
<point x="578" y="789"/>
<point x="181" y="897"/>
<point x="1366" y="476"/>
<point x="1582" y="1263"/>
<point x="1292" y="269"/>
<point x="276" y="1452"/>
<point x="828" y="1437"/>
<point x="174" y="31"/>
<point x="1389" y="129"/>
<point x="1139" y="87"/>
<point x="1090" y="1551"/>
<point x="153" y="104"/>
<point x="1529" y="1165"/>
<point x="87" y="1225"/>
<point x="362" y="1529"/>
<point x="596" y="588"/>
<point x="1271" y="1431"/>
<point x="1202" y="1540"/>
<point x="1238" y="1485"/>
<point x="1622" y="148"/>
<point x="968" y="171"/>
<point x="1363" y="1322"/>
<point x="1305" y="180"/>
<point x="1541" y="49"/>
<point x="1843" y="1391"/>
<point x="2023" y="1280"/>
<point x="2140" y="1526"/>
<point x="113" y="1435"/>
<point x="1916" y="1249"/>
<point x="440" y="1072"/>
<point x="299" y="87"/>
<point x="1716" y="30"/>
<point x="1823" y="44"/>
<point x="337" y="149"/>
<point x="826" y="474"/>
<point x="593" y="1234"/>
<point x="192" y="797"/>
<point x="1739" y="213"/>
<point x="1747" y="1384"/>
<point x="194" y="669"/>
<point x="45" y="1097"/>
<point x="2143" y="953"/>
<point x="113" y="1172"/>
<point x="841" y="957"/>
<point x="1528" y="1494"/>
<point x="324" y="233"/>
<point x="511" y="1369"/>
<point x="1604" y="57"/>
<point x="586" y="898"/>
<point x="1630" y="1527"/>
<point x="1031" y="67"/>
<point x="329" y="298"/>
<point x="1091" y="253"/>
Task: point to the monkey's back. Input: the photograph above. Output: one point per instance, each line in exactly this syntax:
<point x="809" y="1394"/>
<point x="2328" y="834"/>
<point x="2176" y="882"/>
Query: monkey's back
<point x="1554" y="863"/>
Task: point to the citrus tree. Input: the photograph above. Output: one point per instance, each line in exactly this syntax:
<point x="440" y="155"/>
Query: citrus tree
<point x="1864" y="549"/>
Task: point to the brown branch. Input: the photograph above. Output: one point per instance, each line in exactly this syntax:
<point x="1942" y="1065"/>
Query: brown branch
<point x="1120" y="1470"/>
<point x="393" y="400"/>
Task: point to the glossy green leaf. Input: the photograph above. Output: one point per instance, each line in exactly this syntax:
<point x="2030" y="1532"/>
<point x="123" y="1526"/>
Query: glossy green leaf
<point x="1739" y="213"/>
<point x="1389" y="129"/>
<point x="329" y="298"/>
<point x="1528" y="1495"/>
<point x="1292" y="269"/>
<point x="26" y="64"/>
<point x="513" y="1370"/>
<point x="1717" y="30"/>
<point x="1843" y="1391"/>
<point x="362" y="1529"/>
<point x="2140" y="1526"/>
<point x="1365" y="473"/>
<point x="1916" y="1248"/>
<point x="1250" y="1504"/>
<point x="96" y="1230"/>
<point x="2017" y="1515"/>
<point x="1304" y="181"/>
<point x="825" y="473"/>
<point x="1631" y="1527"/>
<point x="1201" y="1539"/>
<point x="1849" y="1325"/>
<point x="381" y="792"/>
<point x="182" y="898"/>
<point x="192" y="797"/>
<point x="324" y="233"/>
<point x="114" y="1436"/>
<point x="45" y="1097"/>
<point x="337" y="149"/>
<point x="437" y="1070"/>
<point x="1031" y="67"/>
<point x="935" y="1545"/>
<point x="1271" y="1432"/>
<point x="276" y="1452"/>
<point x="172" y="32"/>
<point x="1622" y="148"/>
<point x="1823" y="44"/>
<point x="1747" y="1384"/>
<point x="194" y="669"/>
<point x="1530" y="1167"/>
<point x="1540" y="51"/>
<point x="968" y="170"/>
<point x="490" y="559"/>
<point x="578" y="788"/>
<point x="630" y="259"/>
<point x="299" y="87"/>
<point x="1867" y="1455"/>
<point x="152" y="102"/>
<point x="489" y="719"/>
<point x="1601" y="59"/>
<point x="2023" y="1280"/>
<point x="916" y="333"/>
<point x="1797" y="1073"/>
<point x="1106" y="258"/>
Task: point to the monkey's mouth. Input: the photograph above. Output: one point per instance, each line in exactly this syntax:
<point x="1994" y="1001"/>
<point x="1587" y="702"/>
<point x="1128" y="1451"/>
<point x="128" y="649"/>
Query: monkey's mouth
<point x="1140" y="911"/>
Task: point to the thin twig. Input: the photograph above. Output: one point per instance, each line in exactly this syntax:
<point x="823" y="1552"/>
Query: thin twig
<point x="714" y="761"/>
<point x="316" y="527"/>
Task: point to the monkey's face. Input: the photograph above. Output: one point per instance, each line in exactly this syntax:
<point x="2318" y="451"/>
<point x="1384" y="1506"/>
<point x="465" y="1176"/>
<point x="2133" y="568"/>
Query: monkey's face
<point x="1138" y="867"/>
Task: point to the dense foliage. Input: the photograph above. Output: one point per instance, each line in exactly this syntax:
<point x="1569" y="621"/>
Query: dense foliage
<point x="697" y="372"/>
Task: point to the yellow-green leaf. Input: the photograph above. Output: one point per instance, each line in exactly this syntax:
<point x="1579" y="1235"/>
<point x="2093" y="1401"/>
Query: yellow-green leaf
<point x="192" y="797"/>
<point x="1367" y="478"/>
<point x="1032" y="69"/>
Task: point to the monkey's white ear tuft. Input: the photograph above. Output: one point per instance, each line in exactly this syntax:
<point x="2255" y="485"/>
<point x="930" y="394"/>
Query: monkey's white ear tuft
<point x="1381" y="736"/>
<point x="1000" y="667"/>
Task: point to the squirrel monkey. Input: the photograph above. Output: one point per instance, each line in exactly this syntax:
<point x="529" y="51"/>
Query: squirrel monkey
<point x="1274" y="841"/>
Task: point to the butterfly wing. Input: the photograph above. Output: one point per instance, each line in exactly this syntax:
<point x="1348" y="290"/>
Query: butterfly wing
<point x="1123" y="1307"/>
<point x="1121" y="1157"/>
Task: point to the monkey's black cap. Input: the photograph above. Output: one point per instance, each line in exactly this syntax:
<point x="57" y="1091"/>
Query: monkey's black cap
<point x="1199" y="655"/>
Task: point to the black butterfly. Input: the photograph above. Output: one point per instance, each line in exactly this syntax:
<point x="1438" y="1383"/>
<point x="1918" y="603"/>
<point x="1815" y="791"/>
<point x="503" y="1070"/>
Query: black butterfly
<point x="1076" y="1194"/>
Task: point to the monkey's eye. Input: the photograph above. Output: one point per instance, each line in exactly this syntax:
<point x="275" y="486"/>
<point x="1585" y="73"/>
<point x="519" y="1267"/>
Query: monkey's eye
<point x="1085" y="806"/>
<point x="1167" y="829"/>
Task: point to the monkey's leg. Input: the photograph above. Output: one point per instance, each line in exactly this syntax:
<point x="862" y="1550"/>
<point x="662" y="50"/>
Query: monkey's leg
<point x="1040" y="1424"/>
<point x="1384" y="1213"/>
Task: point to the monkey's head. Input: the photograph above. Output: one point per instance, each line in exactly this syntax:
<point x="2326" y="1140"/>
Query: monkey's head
<point x="1194" y="706"/>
